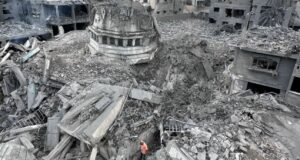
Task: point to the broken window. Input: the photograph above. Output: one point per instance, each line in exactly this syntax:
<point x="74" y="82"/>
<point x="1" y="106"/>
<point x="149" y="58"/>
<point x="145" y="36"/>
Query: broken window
<point x="81" y="10"/>
<point x="216" y="9"/>
<point x="224" y="22"/>
<point x="50" y="12"/>
<point x="296" y="85"/>
<point x="130" y="42"/>
<point x="228" y="12"/>
<point x="55" y="30"/>
<point x="69" y="27"/>
<point x="65" y="12"/>
<point x="112" y="41"/>
<point x="257" y="88"/>
<point x="238" y="26"/>
<point x="138" y="42"/>
<point x="238" y="13"/>
<point x="264" y="64"/>
<point x="6" y="11"/>
<point x="211" y="20"/>
<point x="165" y="11"/>
<point x="120" y="42"/>
<point x="104" y="40"/>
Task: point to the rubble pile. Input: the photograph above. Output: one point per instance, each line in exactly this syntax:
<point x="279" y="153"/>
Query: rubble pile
<point x="232" y="127"/>
<point x="275" y="40"/>
<point x="60" y="102"/>
<point x="173" y="29"/>
<point x="20" y="29"/>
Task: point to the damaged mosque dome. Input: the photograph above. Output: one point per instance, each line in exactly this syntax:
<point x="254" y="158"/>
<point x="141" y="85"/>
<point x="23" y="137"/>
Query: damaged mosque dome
<point x="124" y="30"/>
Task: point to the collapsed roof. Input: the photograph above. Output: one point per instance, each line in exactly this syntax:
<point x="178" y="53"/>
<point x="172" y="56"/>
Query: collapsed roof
<point x="272" y="40"/>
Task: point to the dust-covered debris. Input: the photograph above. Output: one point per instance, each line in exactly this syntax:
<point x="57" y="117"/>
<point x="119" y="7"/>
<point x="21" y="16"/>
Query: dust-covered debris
<point x="61" y="102"/>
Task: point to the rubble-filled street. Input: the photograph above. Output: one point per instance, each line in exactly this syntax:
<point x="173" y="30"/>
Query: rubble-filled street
<point x="135" y="85"/>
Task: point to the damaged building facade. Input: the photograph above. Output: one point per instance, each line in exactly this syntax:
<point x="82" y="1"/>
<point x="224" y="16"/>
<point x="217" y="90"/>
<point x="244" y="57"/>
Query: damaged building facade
<point x="68" y="15"/>
<point x="124" y="31"/>
<point x="266" y="64"/>
<point x="22" y="19"/>
<point x="248" y="13"/>
<point x="229" y="12"/>
<point x="167" y="8"/>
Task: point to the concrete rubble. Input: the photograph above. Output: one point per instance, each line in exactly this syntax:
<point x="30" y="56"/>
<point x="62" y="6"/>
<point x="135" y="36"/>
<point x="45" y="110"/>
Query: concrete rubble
<point x="59" y="102"/>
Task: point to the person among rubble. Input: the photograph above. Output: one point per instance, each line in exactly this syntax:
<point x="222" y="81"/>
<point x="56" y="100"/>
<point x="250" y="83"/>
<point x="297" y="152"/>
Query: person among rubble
<point x="144" y="150"/>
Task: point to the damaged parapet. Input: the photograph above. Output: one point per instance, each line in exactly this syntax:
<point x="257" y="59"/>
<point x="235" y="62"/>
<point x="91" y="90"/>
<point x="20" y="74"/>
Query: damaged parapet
<point x="266" y="62"/>
<point x="124" y="31"/>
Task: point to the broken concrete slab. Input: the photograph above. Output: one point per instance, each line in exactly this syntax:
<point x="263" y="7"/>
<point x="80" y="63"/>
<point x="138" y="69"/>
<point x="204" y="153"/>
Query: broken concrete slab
<point x="98" y="128"/>
<point x="65" y="141"/>
<point x="30" y="54"/>
<point x="31" y="94"/>
<point x="18" y="100"/>
<point x="52" y="138"/>
<point x="38" y="99"/>
<point x="94" y="153"/>
<point x="46" y="71"/>
<point x="175" y="152"/>
<point x="25" y="142"/>
<point x="90" y="128"/>
<point x="26" y="129"/>
<point x="9" y="150"/>
<point x="17" y="71"/>
<point x="142" y="122"/>
<point x="145" y="96"/>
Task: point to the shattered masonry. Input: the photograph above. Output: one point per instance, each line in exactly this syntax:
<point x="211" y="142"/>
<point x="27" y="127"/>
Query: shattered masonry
<point x="189" y="89"/>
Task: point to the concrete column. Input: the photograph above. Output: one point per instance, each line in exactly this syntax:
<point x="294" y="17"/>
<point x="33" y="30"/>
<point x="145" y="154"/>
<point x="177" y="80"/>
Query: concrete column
<point x="222" y="16"/>
<point x="57" y="13"/>
<point x="257" y="15"/>
<point x="73" y="13"/>
<point x="100" y="39"/>
<point x="125" y="42"/>
<point x="43" y="14"/>
<point x="133" y="42"/>
<point x="116" y="41"/>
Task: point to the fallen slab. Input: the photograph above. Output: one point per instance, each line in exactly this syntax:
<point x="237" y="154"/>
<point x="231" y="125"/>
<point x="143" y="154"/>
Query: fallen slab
<point x="25" y="142"/>
<point x="11" y="151"/>
<point x="93" y="111"/>
<point x="145" y="96"/>
<point x="52" y="138"/>
<point x="65" y="141"/>
<point x="176" y="153"/>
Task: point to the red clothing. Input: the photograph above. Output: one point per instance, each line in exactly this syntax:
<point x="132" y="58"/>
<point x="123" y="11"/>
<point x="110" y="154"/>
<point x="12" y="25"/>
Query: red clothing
<point x="144" y="148"/>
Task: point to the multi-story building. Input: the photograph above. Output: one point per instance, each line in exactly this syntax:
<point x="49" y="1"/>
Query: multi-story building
<point x="69" y="14"/>
<point x="266" y="61"/>
<point x="229" y="12"/>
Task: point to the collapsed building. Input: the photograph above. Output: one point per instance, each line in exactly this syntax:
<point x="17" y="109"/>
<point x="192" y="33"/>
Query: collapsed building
<point x="21" y="19"/>
<point x="229" y="12"/>
<point x="247" y="13"/>
<point x="70" y="14"/>
<point x="267" y="60"/>
<point x="124" y="31"/>
<point x="168" y="8"/>
<point x="12" y="25"/>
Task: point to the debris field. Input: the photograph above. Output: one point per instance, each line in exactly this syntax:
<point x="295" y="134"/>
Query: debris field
<point x="59" y="102"/>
